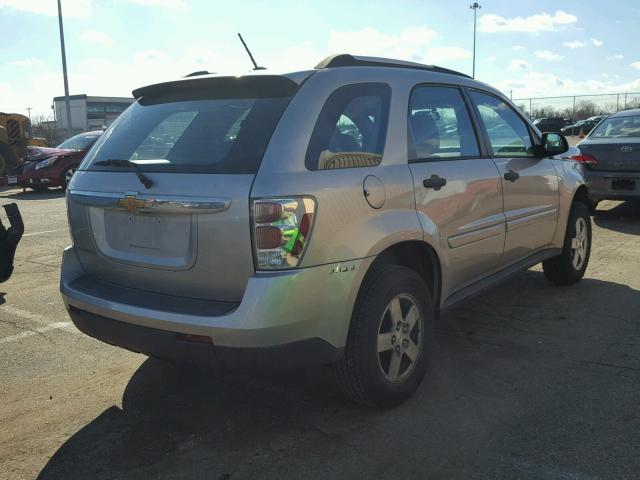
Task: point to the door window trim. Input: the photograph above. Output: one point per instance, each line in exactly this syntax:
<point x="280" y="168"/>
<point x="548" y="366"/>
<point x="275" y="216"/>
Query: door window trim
<point x="483" y="152"/>
<point x="533" y="139"/>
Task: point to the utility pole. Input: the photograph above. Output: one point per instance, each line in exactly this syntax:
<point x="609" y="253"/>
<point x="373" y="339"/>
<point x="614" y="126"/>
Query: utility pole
<point x="30" y="130"/>
<point x="474" y="6"/>
<point x="64" y="72"/>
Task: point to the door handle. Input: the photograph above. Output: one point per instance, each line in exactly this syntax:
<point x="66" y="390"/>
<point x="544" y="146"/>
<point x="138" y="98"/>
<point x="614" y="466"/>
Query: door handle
<point x="511" y="176"/>
<point x="434" y="182"/>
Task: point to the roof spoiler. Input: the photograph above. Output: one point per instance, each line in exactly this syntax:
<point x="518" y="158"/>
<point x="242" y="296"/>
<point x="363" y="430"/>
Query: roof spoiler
<point x="260" y="86"/>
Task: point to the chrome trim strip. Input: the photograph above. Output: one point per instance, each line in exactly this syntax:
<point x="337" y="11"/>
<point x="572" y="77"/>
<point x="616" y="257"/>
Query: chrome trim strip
<point x="475" y="236"/>
<point x="530" y="219"/>
<point x="153" y="203"/>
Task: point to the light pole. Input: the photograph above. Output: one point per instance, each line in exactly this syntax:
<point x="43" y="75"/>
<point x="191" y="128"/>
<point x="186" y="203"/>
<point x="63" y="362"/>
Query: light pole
<point x="64" y="72"/>
<point x="30" y="130"/>
<point x="474" y="6"/>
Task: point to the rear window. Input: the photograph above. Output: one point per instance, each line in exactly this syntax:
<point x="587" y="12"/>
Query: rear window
<point x="618" y="127"/>
<point x="206" y="131"/>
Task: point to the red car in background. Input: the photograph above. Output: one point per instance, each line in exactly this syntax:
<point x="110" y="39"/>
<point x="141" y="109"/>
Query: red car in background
<point x="44" y="167"/>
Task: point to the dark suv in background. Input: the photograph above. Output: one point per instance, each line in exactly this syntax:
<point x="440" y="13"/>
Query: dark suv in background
<point x="550" y="124"/>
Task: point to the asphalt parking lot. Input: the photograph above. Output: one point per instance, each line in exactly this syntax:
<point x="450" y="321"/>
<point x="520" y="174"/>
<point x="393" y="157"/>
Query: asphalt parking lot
<point x="528" y="381"/>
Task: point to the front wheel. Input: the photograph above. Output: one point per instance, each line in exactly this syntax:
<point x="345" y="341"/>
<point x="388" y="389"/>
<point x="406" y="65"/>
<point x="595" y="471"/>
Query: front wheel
<point x="389" y="340"/>
<point x="66" y="177"/>
<point x="570" y="265"/>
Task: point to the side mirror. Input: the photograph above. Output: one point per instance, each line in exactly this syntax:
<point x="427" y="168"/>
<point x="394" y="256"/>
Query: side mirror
<point x="553" y="144"/>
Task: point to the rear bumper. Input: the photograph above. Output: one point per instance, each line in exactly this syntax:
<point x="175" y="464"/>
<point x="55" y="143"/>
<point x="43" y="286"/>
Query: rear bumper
<point x="601" y="185"/>
<point x="277" y="312"/>
<point x="170" y="346"/>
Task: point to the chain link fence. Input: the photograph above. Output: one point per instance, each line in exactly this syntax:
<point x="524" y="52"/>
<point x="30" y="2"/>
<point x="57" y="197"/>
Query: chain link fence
<point x="578" y="107"/>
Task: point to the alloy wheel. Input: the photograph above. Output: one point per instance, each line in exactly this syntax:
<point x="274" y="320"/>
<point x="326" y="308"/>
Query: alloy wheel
<point x="400" y="338"/>
<point x="579" y="244"/>
<point x="68" y="175"/>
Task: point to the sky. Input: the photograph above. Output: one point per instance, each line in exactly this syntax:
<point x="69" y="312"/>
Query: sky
<point x="524" y="48"/>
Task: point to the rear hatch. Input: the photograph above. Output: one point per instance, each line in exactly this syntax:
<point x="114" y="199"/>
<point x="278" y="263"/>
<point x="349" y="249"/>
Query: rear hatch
<point x="615" y="144"/>
<point x="200" y="142"/>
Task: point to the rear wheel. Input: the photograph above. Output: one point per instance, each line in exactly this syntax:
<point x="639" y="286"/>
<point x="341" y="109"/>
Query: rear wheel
<point x="390" y="338"/>
<point x="570" y="265"/>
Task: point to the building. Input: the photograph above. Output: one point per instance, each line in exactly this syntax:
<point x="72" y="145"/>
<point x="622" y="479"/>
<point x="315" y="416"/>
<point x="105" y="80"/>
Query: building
<point x="89" y="113"/>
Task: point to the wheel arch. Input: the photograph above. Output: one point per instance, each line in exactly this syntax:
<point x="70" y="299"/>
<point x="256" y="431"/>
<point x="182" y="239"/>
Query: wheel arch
<point x="581" y="195"/>
<point x="420" y="257"/>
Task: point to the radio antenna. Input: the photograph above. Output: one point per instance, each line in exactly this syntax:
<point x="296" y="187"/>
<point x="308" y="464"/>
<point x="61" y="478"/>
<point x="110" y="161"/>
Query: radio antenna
<point x="255" y="65"/>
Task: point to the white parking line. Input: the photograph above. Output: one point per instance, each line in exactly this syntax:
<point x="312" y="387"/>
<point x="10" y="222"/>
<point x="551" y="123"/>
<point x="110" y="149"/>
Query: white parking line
<point x="30" y="333"/>
<point x="18" y="312"/>
<point x="42" y="233"/>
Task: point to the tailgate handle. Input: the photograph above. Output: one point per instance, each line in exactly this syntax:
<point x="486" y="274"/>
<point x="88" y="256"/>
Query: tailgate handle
<point x="134" y="203"/>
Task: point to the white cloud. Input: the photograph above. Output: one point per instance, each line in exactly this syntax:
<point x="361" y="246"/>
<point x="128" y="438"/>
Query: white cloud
<point x="445" y="54"/>
<point x="97" y="37"/>
<point x="27" y="62"/>
<point x="635" y="65"/>
<point x="543" y="84"/>
<point x="409" y="44"/>
<point x="596" y="42"/>
<point x="574" y="44"/>
<point x="517" y="48"/>
<point x="541" y="22"/>
<point x="492" y="58"/>
<point x="547" y="55"/>
<point x="517" y="65"/>
<point x="70" y="8"/>
<point x="173" y="4"/>
<point x="617" y="56"/>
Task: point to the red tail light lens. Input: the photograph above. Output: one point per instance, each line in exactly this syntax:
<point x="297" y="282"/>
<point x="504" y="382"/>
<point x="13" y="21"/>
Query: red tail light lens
<point x="268" y="237"/>
<point x="585" y="158"/>
<point x="281" y="230"/>
<point x="267" y="212"/>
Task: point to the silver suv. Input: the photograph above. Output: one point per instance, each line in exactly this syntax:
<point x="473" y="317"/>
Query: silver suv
<point x="317" y="217"/>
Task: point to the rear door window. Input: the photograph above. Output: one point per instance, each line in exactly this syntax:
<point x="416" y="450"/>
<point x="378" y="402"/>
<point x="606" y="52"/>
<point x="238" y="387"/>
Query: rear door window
<point x="351" y="129"/>
<point x="208" y="131"/>
<point x="439" y="125"/>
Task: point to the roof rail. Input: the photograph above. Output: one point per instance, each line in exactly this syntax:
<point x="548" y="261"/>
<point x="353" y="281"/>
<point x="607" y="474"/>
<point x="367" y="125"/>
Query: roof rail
<point x="197" y="74"/>
<point x="347" y="60"/>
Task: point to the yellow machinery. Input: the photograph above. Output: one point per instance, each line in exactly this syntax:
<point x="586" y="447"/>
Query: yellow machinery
<point x="14" y="139"/>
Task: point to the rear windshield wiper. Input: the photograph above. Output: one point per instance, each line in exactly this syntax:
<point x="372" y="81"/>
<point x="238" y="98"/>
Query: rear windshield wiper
<point x="116" y="162"/>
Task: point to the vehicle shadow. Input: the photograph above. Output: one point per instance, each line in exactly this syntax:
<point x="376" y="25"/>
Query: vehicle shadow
<point x="624" y="218"/>
<point x="36" y="195"/>
<point x="506" y="364"/>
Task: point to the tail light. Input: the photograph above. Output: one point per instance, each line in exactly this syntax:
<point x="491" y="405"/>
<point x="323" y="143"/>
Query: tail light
<point x="585" y="159"/>
<point x="281" y="231"/>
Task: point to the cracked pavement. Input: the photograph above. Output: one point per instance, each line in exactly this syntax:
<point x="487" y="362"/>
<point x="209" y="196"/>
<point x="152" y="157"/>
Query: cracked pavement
<point x="528" y="381"/>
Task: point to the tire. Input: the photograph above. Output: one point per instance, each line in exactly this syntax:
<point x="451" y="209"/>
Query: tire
<point x="66" y="175"/>
<point x="366" y="375"/>
<point x="569" y="267"/>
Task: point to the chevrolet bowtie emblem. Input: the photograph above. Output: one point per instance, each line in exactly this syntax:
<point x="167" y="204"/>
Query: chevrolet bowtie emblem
<point x="130" y="203"/>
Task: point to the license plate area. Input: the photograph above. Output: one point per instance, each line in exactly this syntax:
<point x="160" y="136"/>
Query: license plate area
<point x="148" y="240"/>
<point x="623" y="184"/>
<point x="143" y="231"/>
